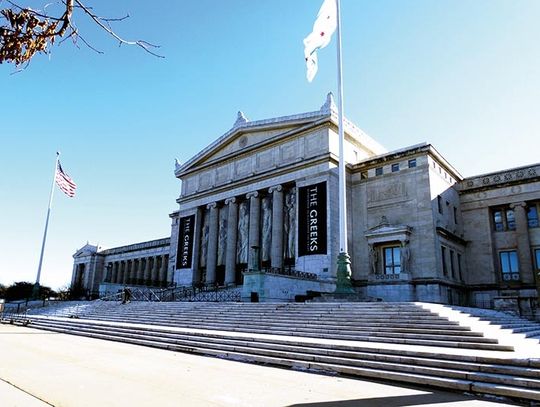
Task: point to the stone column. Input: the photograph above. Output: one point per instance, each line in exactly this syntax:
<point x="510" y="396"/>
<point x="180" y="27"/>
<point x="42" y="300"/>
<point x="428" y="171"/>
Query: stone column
<point x="129" y="271"/>
<point x="254" y="225"/>
<point x="211" y="260"/>
<point x="232" y="231"/>
<point x="124" y="272"/>
<point x="162" y="270"/>
<point x="277" y="226"/>
<point x="140" y="273"/>
<point x="155" y="271"/>
<point x="115" y="272"/>
<point x="169" y="273"/>
<point x="146" y="270"/>
<point x="524" y="245"/>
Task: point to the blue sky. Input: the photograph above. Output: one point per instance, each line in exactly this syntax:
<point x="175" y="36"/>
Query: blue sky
<point x="462" y="75"/>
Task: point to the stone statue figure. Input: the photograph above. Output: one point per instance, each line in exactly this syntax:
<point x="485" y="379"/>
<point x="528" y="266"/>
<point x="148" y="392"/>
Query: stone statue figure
<point x="222" y="236"/>
<point x="243" y="233"/>
<point x="373" y="259"/>
<point x="266" y="228"/>
<point x="204" y="238"/>
<point x="405" y="257"/>
<point x="289" y="225"/>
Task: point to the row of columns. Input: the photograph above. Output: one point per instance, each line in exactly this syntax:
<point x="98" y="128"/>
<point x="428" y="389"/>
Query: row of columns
<point x="142" y="271"/>
<point x="253" y="234"/>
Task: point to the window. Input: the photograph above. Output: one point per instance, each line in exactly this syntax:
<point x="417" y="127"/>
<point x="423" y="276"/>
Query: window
<point x="510" y="219"/>
<point x="509" y="265"/>
<point x="532" y="216"/>
<point x="443" y="258"/>
<point x="452" y="268"/>
<point x="412" y="163"/>
<point x="378" y="171"/>
<point x="395" y="167"/>
<point x="460" y="272"/>
<point x="503" y="219"/>
<point x="392" y="260"/>
<point x="364" y="175"/>
<point x="537" y="258"/>
<point x="439" y="203"/>
<point x="455" y="215"/>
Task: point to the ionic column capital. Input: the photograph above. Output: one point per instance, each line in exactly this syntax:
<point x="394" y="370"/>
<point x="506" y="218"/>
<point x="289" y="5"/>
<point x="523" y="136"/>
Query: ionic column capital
<point x="275" y="188"/>
<point x="253" y="194"/>
<point x="212" y="205"/>
<point x="518" y="205"/>
<point x="229" y="201"/>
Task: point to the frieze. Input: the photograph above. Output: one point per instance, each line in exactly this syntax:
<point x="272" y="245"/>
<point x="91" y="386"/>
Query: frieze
<point x="392" y="191"/>
<point x="288" y="151"/>
<point x="222" y="174"/>
<point x="501" y="178"/>
<point x="243" y="166"/>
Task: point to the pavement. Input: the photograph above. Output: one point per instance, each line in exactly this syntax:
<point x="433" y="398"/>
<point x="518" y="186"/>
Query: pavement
<point x="40" y="368"/>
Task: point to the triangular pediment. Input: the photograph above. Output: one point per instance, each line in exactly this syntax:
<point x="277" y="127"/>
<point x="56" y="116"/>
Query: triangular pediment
<point x="385" y="231"/>
<point x="87" y="250"/>
<point x="247" y="135"/>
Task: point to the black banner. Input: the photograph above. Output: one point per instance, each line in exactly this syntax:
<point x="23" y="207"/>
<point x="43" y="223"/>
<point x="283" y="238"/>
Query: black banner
<point x="312" y="224"/>
<point x="185" y="242"/>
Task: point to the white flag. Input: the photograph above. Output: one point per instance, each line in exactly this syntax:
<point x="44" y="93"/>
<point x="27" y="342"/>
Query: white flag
<point x="320" y="37"/>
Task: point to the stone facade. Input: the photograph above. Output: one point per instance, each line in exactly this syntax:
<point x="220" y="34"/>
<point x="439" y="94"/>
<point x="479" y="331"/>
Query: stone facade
<point x="98" y="271"/>
<point x="259" y="208"/>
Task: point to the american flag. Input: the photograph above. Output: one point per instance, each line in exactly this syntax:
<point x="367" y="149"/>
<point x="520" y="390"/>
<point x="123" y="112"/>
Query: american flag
<point x="64" y="182"/>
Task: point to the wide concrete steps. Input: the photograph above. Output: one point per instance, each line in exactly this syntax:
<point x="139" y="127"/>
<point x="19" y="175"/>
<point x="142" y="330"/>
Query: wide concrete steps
<point x="516" y="378"/>
<point x="530" y="329"/>
<point x="396" y="323"/>
<point x="406" y="324"/>
<point x="418" y="338"/>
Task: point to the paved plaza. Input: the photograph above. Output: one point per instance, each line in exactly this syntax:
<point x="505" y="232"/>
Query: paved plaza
<point x="40" y="368"/>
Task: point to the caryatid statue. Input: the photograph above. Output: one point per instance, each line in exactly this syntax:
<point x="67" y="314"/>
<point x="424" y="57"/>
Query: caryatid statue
<point x="266" y="228"/>
<point x="243" y="233"/>
<point x="290" y="223"/>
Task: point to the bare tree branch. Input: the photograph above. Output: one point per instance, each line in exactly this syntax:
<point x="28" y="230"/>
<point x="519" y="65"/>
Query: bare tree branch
<point x="99" y="21"/>
<point x="28" y="32"/>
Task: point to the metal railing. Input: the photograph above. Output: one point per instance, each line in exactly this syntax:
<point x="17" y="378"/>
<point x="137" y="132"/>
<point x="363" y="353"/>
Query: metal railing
<point x="287" y="271"/>
<point x="195" y="292"/>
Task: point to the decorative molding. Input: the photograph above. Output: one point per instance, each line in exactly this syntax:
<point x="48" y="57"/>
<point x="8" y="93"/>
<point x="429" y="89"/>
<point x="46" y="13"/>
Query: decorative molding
<point x="277" y="188"/>
<point x="504" y="177"/>
<point x="241" y="119"/>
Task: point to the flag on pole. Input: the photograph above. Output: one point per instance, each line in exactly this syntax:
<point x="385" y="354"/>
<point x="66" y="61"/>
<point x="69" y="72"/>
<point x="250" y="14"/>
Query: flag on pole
<point x="320" y="37"/>
<point x="64" y="182"/>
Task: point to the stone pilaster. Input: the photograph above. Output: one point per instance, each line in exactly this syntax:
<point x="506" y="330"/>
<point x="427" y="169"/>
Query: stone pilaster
<point x="523" y="242"/>
<point x="211" y="260"/>
<point x="277" y="226"/>
<point x="232" y="231"/>
<point x="254" y="228"/>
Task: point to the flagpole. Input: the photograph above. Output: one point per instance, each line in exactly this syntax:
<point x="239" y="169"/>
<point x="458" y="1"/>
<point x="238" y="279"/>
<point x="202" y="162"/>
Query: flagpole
<point x="36" y="285"/>
<point x="343" y="284"/>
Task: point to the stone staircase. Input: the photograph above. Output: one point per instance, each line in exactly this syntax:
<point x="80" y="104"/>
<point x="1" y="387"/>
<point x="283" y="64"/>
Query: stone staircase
<point x="392" y="341"/>
<point x="517" y="325"/>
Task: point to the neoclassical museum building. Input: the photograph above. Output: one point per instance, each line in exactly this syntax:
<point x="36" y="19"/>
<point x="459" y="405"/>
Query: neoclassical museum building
<point x="258" y="212"/>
